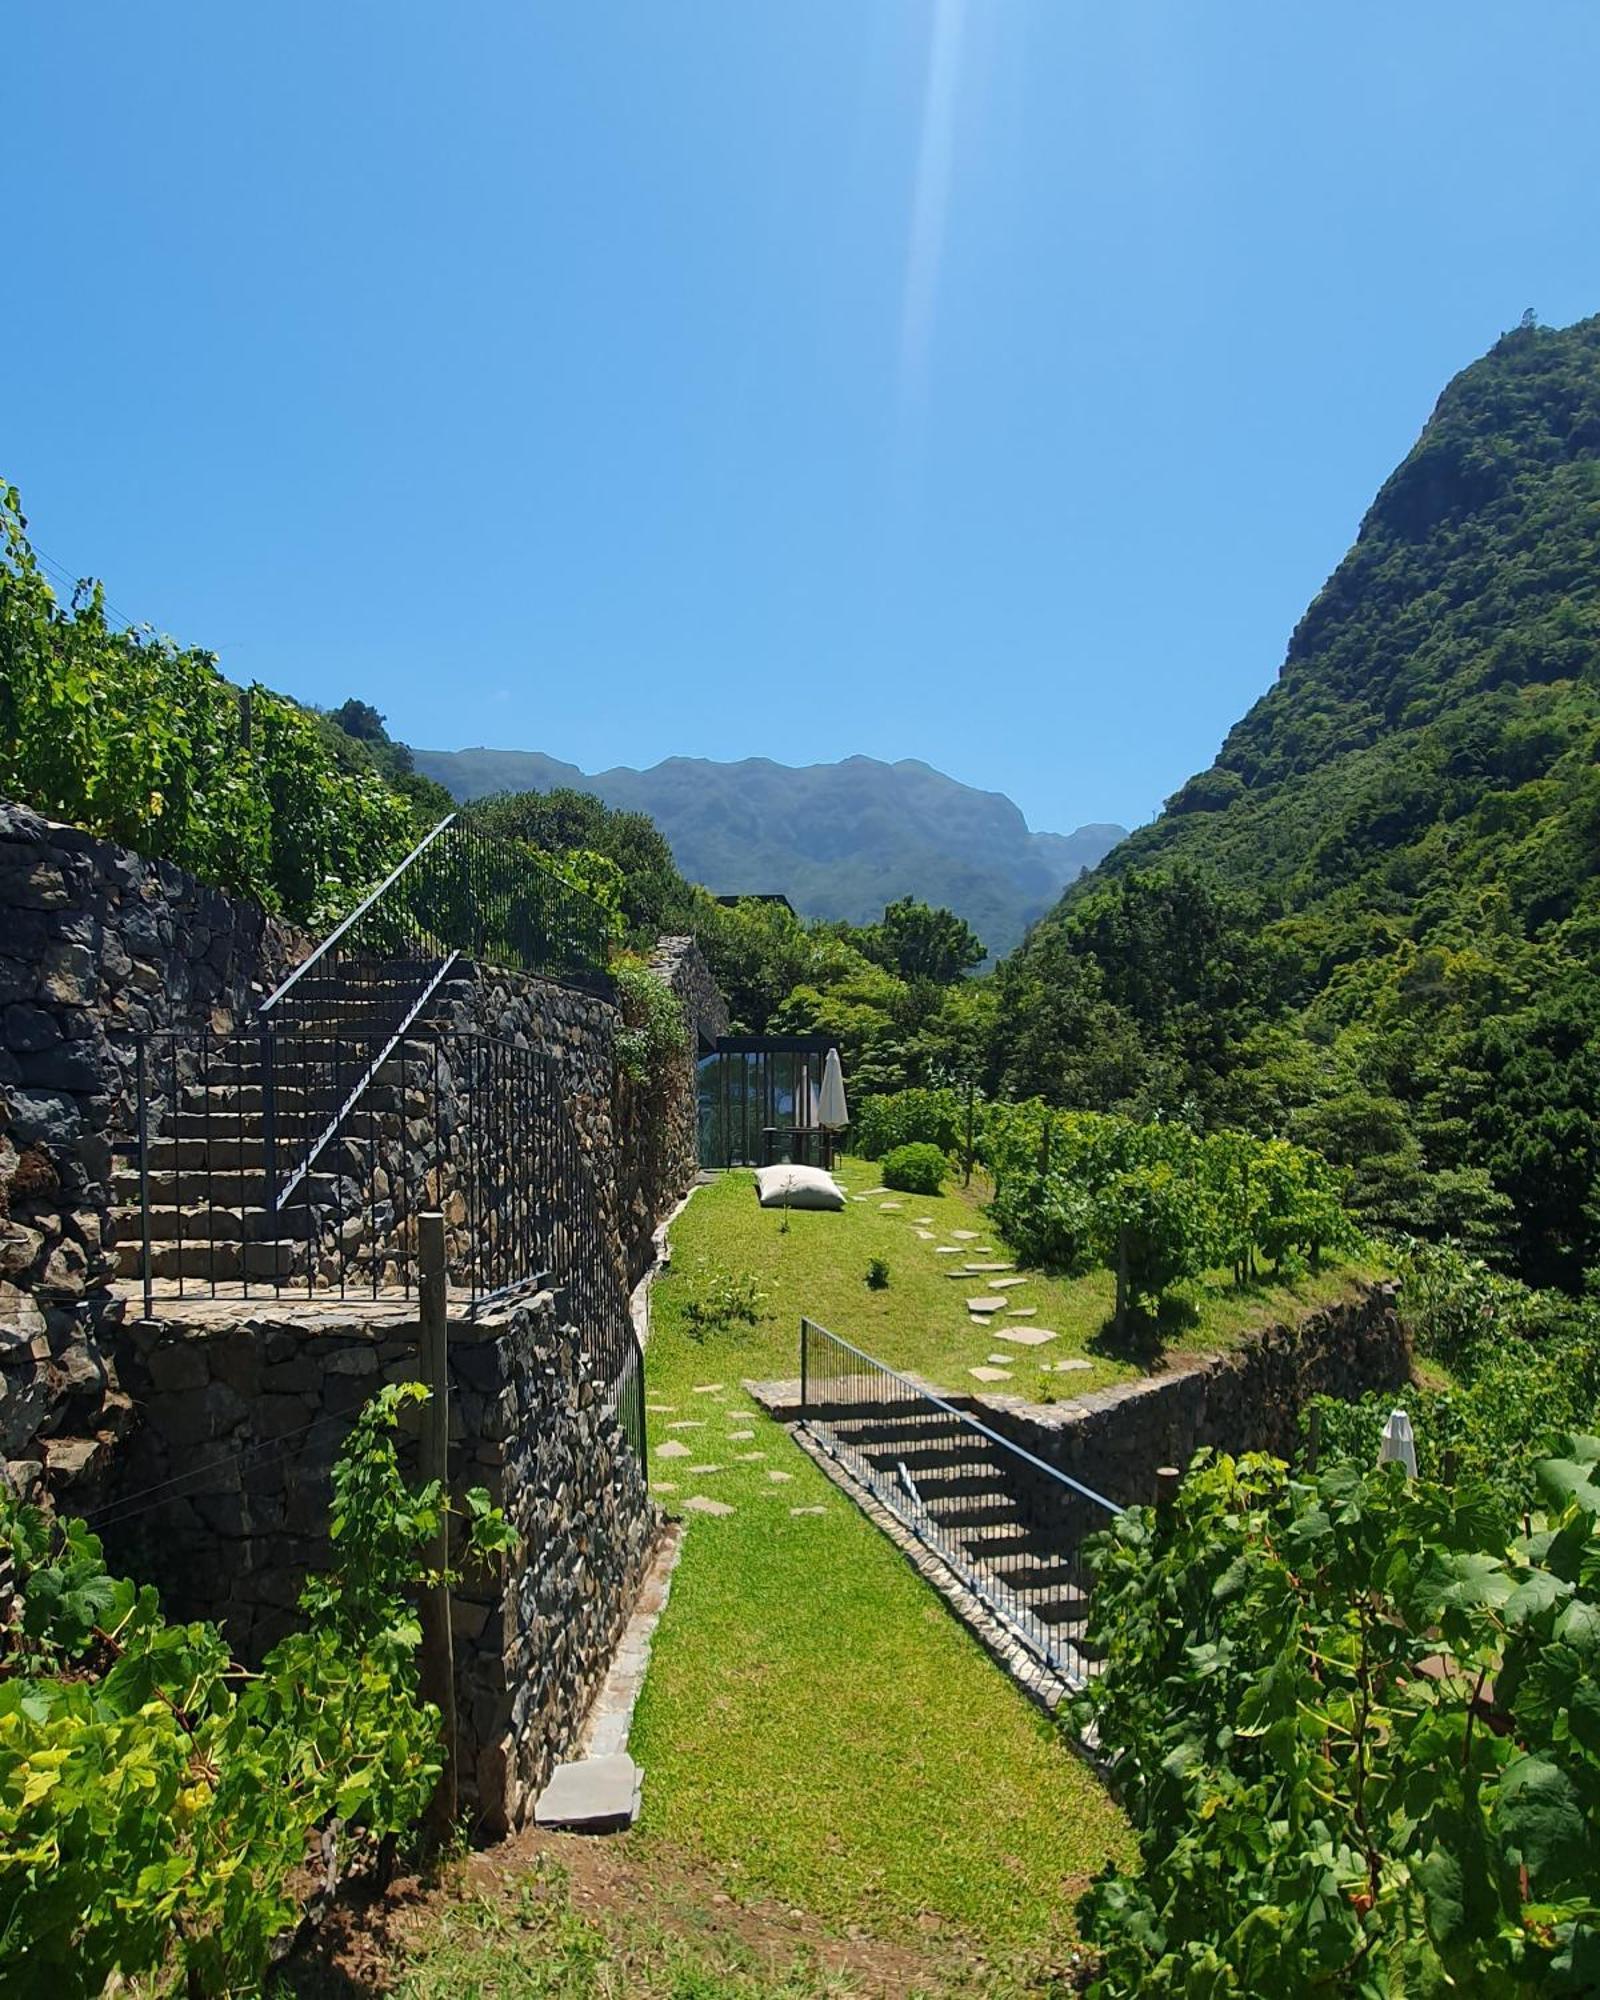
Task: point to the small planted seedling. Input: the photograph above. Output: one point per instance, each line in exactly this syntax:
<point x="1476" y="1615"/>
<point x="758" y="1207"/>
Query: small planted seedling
<point x="877" y="1275"/>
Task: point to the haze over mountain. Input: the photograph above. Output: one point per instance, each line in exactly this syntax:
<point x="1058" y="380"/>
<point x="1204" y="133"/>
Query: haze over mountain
<point x="839" y="840"/>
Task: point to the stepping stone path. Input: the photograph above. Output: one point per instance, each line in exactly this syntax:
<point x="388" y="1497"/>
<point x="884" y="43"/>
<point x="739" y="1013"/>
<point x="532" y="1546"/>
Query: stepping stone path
<point x="662" y="1486"/>
<point x="926" y="1235"/>
<point x="673" y="1448"/>
<point x="661" y="1409"/>
<point x="1024" y="1336"/>
<point x="991" y="1267"/>
<point x="948" y="1250"/>
<point x="1021" y="1312"/>
<point x="701" y="1503"/>
<point x="985" y="1305"/>
<point x="1074" y="1367"/>
<point x="979" y="1319"/>
<point x="1000" y="1360"/>
<point x="749" y="1457"/>
<point x="890" y="1207"/>
<point x="688" y="1424"/>
<point x="923" y="1221"/>
<point x="965" y="1235"/>
<point x="991" y="1374"/>
<point x="776" y="1475"/>
<point x="708" y="1388"/>
<point x="740" y="1437"/>
<point x="795" y="1511"/>
<point x="1009" y="1284"/>
<point x="695" y="1470"/>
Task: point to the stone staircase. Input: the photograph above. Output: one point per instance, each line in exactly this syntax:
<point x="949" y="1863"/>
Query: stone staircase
<point x="965" y="1494"/>
<point x="211" y="1219"/>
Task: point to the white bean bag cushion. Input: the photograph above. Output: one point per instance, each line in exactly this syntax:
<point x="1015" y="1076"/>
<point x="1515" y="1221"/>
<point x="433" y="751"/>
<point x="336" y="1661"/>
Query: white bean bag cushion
<point x="797" y="1187"/>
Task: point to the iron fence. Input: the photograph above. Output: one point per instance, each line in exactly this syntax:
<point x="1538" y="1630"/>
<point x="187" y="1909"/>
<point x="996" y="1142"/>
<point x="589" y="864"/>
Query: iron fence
<point x="277" y="1162"/>
<point x="1008" y="1525"/>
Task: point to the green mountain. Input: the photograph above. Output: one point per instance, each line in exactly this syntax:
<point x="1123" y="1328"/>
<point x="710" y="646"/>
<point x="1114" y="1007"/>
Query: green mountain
<point x="1380" y="919"/>
<point x="839" y="840"/>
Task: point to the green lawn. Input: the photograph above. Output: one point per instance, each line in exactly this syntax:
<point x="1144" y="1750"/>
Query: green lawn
<point x="919" y="1322"/>
<point x="816" y="1726"/>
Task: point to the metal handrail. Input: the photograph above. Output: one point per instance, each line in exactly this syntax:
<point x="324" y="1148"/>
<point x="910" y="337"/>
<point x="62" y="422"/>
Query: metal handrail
<point x="962" y="1416"/>
<point x="354" y="917"/>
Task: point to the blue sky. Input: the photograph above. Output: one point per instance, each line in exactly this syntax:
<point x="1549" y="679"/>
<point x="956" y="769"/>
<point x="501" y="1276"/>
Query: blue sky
<point x="986" y="381"/>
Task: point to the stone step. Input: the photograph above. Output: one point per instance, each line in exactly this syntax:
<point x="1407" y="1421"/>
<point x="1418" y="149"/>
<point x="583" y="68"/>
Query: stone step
<point x="219" y="1261"/>
<point x="1065" y="1607"/>
<point x="937" y="1453"/>
<point x="208" y="1225"/>
<point x="233" y="1187"/>
<point x="965" y="1517"/>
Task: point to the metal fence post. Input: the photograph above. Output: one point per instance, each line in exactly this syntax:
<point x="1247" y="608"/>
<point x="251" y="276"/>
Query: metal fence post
<point x="805" y="1371"/>
<point x="438" y="1653"/>
<point x="144" y="1177"/>
<point x="269" y="1119"/>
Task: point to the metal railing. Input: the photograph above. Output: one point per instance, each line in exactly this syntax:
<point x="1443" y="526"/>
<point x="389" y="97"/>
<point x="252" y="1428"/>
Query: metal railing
<point x="468" y="1123"/>
<point x="1010" y="1527"/>
<point x="459" y="893"/>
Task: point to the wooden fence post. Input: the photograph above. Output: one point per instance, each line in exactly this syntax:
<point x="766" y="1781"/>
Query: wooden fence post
<point x="438" y="1653"/>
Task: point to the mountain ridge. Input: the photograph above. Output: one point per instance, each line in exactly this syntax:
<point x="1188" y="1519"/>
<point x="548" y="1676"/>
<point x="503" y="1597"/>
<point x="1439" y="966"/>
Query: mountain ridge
<point x="839" y="839"/>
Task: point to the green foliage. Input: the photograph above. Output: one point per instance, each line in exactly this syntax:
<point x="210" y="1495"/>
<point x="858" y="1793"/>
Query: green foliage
<point x="922" y="943"/>
<point x="156" y="1803"/>
<point x="878" y="1274"/>
<point x="644" y="882"/>
<point x="1354" y="1722"/>
<point x="653" y="1042"/>
<point x="916" y="1169"/>
<point x="718" y="1300"/>
<point x="132" y="737"/>
<point x="1155" y="1202"/>
<point x="1373" y="924"/>
<point x="910" y="1117"/>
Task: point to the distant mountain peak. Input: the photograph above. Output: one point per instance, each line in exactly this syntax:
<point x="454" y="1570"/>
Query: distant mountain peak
<point x="839" y="840"/>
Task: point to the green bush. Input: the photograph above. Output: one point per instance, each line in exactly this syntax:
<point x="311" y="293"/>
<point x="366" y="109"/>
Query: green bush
<point x="908" y="1118"/>
<point x="159" y="1806"/>
<point x="719" y="1299"/>
<point x="654" y="1038"/>
<point x="129" y="736"/>
<point x="878" y="1275"/>
<point x="916" y="1169"/>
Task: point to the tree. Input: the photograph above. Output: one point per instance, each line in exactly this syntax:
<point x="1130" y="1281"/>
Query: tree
<point x="918" y="942"/>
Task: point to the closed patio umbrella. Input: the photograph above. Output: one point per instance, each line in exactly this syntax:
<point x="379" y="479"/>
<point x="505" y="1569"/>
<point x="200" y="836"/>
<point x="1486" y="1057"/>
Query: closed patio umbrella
<point x="1399" y="1445"/>
<point x="833" y="1114"/>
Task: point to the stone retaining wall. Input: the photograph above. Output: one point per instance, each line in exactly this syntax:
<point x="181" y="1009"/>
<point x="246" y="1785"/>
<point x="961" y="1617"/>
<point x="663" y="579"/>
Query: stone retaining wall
<point x="1248" y="1399"/>
<point x="96" y="943"/>
<point x="221" y="1500"/>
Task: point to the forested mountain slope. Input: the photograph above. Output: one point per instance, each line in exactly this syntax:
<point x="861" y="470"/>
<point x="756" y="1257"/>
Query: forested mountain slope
<point x="1386" y="933"/>
<point x="839" y="840"/>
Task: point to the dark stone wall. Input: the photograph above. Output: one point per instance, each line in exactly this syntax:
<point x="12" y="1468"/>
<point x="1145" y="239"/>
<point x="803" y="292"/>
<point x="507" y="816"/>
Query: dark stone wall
<point x="221" y="1500"/>
<point x="96" y="943"/>
<point x="1248" y="1399"/>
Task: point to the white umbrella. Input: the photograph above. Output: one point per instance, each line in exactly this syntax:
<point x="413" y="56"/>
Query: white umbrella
<point x="833" y="1114"/>
<point x="1399" y="1445"/>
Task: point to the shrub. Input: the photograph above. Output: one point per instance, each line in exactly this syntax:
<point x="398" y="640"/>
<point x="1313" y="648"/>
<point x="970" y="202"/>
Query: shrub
<point x="915" y="1169"/>
<point x="653" y="1037"/>
<point x="719" y="1299"/>
<point x="877" y="1275"/>
<point x="907" y="1118"/>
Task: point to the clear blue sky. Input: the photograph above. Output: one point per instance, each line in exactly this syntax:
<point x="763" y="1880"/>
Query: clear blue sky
<point x="986" y="381"/>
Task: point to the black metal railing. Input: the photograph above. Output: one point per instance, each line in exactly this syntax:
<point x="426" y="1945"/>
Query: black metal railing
<point x="470" y="1124"/>
<point x="1008" y="1525"/>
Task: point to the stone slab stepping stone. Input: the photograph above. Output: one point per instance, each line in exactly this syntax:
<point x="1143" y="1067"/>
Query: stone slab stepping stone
<point x="986" y="1305"/>
<point x="923" y="1221"/>
<point x="702" y="1503"/>
<point x="965" y="1235"/>
<point x="1010" y="1284"/>
<point x="661" y="1409"/>
<point x="879" y="1190"/>
<point x="979" y="1319"/>
<point x="595" y="1795"/>
<point x="948" y="1250"/>
<point x="688" y="1424"/>
<point x="1024" y="1336"/>
<point x="673" y="1448"/>
<point x="705" y="1468"/>
<point x="709" y="1388"/>
<point x="775" y="1474"/>
<point x="796" y="1511"/>
<point x="1000" y="1361"/>
<point x="1076" y="1366"/>
<point x="926" y="1235"/>
<point x="1021" y="1312"/>
<point x="991" y="1374"/>
<point x="662" y="1486"/>
<point x="991" y="1267"/>
<point x="749" y="1457"/>
<point x="740" y="1437"/>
